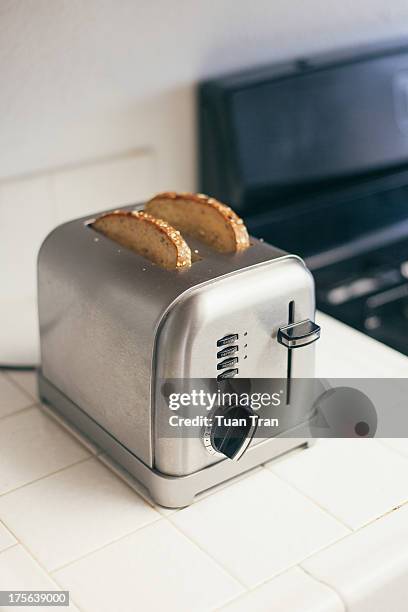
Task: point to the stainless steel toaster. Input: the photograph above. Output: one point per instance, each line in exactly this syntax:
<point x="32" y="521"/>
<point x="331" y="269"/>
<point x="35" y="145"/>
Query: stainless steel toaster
<point x="114" y="326"/>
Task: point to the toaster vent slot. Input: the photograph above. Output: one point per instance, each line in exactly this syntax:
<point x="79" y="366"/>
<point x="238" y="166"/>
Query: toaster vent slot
<point x="227" y="358"/>
<point x="227" y="351"/>
<point x="291" y="319"/>
<point x="227" y="339"/>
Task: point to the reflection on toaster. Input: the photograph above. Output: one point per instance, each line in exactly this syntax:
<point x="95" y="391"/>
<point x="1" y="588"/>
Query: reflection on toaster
<point x="173" y="289"/>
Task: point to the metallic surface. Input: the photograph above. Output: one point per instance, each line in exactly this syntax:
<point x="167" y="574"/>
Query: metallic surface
<point x="113" y="326"/>
<point x="252" y="302"/>
<point x="169" y="491"/>
<point x="299" y="334"/>
<point x="100" y="307"/>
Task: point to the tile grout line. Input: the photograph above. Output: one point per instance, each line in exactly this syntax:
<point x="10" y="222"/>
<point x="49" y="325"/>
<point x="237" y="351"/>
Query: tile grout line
<point x="311" y="499"/>
<point x="58" y="584"/>
<point x="19" y="411"/>
<point x="62" y="424"/>
<point x="300" y="566"/>
<point x="271" y="579"/>
<point x="350" y="532"/>
<point x="106" y="545"/>
<point x="18" y="386"/>
<point x="65" y="425"/>
<point x="50" y="573"/>
<point x="21" y="543"/>
<point x="160" y="517"/>
<point x="347" y="535"/>
<point x="297" y="564"/>
<point x="142" y="151"/>
<point x="85" y="459"/>
<point x="334" y="516"/>
<point x="150" y="503"/>
<point x="146" y="496"/>
<point x="32" y="556"/>
<point x="10" y="546"/>
<point x="31" y="482"/>
<point x="123" y="479"/>
<point x="391" y="449"/>
<point x="3" y="524"/>
<point x="258" y="585"/>
<point x="326" y="584"/>
<point x="206" y="553"/>
<point x="378" y="518"/>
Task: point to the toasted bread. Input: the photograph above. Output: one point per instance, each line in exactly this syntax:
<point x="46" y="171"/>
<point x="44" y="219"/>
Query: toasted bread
<point x="203" y="218"/>
<point x="152" y="238"/>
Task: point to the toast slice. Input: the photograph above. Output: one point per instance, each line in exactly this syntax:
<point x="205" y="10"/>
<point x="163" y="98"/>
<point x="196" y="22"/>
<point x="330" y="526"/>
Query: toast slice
<point x="203" y="218"/>
<point x="152" y="238"/>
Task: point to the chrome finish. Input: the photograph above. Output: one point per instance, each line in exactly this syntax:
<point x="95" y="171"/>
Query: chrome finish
<point x="169" y="491"/>
<point x="299" y="334"/>
<point x="253" y="301"/>
<point x="101" y="308"/>
<point x="227" y="363"/>
<point x="228" y="339"/>
<point x="227" y="351"/>
<point x="228" y="374"/>
<point x="113" y="326"/>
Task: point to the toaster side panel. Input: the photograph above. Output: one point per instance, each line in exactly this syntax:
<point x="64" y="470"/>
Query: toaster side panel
<point x="97" y="332"/>
<point x="100" y="306"/>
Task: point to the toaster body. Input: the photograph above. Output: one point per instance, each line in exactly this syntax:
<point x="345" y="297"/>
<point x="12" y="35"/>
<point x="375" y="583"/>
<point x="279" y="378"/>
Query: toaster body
<point x="114" y="327"/>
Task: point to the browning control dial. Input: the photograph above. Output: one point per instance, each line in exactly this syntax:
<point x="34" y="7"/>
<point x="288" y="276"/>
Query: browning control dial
<point x="231" y="431"/>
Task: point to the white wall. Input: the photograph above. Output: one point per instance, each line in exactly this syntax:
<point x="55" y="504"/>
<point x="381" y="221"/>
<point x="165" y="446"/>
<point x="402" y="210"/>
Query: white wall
<point x="97" y="106"/>
<point x="84" y="79"/>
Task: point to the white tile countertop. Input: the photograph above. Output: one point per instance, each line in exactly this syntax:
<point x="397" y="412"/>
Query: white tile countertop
<point x="318" y="530"/>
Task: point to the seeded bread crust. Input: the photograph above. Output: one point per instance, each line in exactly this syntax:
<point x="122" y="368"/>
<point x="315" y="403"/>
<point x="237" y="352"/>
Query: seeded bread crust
<point x="182" y="253"/>
<point x="233" y="233"/>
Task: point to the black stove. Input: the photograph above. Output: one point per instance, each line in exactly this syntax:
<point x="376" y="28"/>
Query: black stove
<point x="314" y="155"/>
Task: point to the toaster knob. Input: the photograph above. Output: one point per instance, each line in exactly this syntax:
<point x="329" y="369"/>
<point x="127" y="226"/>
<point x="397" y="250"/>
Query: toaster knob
<point x="231" y="431"/>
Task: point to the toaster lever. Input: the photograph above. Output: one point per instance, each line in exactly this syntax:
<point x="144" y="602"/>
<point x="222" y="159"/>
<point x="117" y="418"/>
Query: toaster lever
<point x="299" y="334"/>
